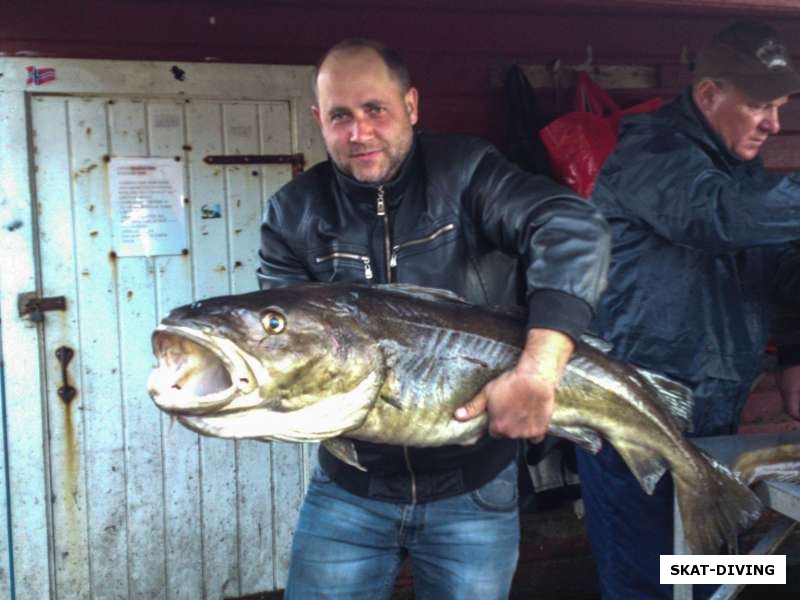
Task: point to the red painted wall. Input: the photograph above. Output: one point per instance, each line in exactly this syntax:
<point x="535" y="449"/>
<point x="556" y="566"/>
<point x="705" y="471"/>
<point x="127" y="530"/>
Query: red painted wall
<point x="456" y="49"/>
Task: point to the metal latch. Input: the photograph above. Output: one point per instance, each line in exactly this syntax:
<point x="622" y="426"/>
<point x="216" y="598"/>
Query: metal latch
<point x="298" y="161"/>
<point x="31" y="304"/>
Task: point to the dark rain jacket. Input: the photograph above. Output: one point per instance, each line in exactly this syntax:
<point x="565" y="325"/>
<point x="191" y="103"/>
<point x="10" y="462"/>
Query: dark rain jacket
<point x="456" y="216"/>
<point x="700" y="249"/>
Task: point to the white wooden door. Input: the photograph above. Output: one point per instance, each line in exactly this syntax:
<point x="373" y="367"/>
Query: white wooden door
<point x="136" y="507"/>
<point x="5" y="550"/>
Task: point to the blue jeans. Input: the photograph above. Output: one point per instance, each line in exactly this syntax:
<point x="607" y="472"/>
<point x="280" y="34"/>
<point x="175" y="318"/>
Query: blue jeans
<point x="464" y="547"/>
<point x="628" y="530"/>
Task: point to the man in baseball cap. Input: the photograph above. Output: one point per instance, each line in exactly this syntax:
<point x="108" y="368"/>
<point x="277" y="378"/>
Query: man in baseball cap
<point x="749" y="55"/>
<point x="702" y="244"/>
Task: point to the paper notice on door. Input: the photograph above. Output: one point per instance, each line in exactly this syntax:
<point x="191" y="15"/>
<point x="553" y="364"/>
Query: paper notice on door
<point x="147" y="202"/>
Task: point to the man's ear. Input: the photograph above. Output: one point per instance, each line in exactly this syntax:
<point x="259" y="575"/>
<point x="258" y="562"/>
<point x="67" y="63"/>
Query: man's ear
<point x="315" y="114"/>
<point x="706" y="93"/>
<point x="411" y="101"/>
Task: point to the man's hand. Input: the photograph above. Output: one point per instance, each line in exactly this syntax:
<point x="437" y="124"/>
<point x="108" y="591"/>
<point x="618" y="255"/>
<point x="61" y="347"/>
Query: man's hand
<point x="788" y="379"/>
<point x="520" y="402"/>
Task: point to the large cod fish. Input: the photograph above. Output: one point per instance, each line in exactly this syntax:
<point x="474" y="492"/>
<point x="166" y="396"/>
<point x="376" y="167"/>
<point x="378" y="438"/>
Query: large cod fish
<point x="389" y="364"/>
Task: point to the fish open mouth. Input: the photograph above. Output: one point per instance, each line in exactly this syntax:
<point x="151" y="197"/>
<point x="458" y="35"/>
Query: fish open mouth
<point x="194" y="376"/>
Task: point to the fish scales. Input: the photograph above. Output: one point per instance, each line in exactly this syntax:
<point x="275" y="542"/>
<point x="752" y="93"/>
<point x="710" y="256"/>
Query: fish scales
<point x="389" y="364"/>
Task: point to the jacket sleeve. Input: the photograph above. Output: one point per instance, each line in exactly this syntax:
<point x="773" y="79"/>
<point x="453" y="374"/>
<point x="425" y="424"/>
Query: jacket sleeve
<point x="278" y="265"/>
<point x="562" y="241"/>
<point x="672" y="185"/>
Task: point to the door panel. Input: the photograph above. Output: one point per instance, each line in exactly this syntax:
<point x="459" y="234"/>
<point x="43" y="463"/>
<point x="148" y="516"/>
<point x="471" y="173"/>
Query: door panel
<point x="142" y="508"/>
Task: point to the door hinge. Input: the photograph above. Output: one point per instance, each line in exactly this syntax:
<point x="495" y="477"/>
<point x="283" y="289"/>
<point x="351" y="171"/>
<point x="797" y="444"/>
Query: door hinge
<point x="31" y="304"/>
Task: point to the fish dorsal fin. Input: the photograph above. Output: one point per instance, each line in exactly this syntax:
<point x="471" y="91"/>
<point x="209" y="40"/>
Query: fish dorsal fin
<point x="421" y="292"/>
<point x="438" y="295"/>
<point x="675" y="397"/>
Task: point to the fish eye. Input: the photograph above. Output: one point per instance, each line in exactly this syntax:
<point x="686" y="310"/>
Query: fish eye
<point x="273" y="322"/>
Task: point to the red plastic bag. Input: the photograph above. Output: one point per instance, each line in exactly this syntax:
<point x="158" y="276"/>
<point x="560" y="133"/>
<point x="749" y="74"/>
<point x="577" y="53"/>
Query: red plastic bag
<point x="579" y="142"/>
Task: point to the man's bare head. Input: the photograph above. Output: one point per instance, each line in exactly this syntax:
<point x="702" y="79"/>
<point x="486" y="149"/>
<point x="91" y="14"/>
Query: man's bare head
<point x="391" y="59"/>
<point x="366" y="109"/>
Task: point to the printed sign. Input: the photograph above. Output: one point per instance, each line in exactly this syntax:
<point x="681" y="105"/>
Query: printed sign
<point x="147" y="202"/>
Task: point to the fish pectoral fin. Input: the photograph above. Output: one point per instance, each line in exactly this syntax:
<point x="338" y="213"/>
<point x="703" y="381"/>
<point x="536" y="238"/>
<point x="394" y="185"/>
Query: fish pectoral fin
<point x="583" y="436"/>
<point x="392" y="401"/>
<point x="646" y="466"/>
<point x="391" y="389"/>
<point x="344" y="450"/>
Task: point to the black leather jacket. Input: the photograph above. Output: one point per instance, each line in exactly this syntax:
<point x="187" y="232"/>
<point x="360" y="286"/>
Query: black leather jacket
<point x="456" y="216"/>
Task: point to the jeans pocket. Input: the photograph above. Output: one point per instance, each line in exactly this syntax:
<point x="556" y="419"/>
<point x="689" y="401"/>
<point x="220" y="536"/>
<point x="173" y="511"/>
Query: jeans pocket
<point x="499" y="494"/>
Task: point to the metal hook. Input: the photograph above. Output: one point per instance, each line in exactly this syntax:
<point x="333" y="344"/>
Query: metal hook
<point x="556" y="73"/>
<point x="587" y="64"/>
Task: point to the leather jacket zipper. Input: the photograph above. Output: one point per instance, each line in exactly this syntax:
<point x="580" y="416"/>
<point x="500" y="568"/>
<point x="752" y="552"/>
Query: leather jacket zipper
<point x="387" y="242"/>
<point x="413" y="475"/>
<point x="442" y="230"/>
<point x="350" y="256"/>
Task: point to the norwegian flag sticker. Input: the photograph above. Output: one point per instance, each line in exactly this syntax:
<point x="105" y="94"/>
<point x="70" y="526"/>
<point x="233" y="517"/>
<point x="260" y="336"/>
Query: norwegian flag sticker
<point x="40" y="76"/>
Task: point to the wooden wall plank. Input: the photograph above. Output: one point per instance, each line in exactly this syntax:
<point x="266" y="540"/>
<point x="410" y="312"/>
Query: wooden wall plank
<point x="24" y="408"/>
<point x="51" y="130"/>
<point x="141" y="420"/>
<point x="210" y="266"/>
<point x="98" y="349"/>
<point x="253" y="458"/>
<point x="782" y="153"/>
<point x="5" y="522"/>
<point x="182" y="529"/>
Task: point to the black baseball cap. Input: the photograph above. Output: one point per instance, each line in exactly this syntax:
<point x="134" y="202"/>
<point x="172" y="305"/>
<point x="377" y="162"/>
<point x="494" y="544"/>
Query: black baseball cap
<point x="749" y="55"/>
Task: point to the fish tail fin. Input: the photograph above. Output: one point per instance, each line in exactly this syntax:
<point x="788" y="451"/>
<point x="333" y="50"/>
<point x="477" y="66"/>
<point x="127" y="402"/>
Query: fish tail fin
<point x="674" y="397"/>
<point x="716" y="512"/>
